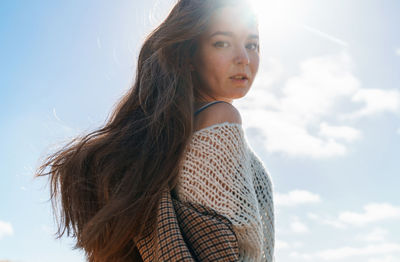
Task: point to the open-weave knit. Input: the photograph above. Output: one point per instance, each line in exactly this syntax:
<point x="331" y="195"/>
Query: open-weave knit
<point x="222" y="172"/>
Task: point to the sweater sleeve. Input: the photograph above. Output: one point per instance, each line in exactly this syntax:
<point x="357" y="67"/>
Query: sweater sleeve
<point x="264" y="191"/>
<point x="216" y="173"/>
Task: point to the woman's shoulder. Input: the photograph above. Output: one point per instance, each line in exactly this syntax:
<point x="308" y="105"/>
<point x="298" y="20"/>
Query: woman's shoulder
<point x="218" y="114"/>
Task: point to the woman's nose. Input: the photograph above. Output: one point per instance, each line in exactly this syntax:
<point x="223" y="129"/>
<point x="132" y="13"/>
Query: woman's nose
<point x="241" y="57"/>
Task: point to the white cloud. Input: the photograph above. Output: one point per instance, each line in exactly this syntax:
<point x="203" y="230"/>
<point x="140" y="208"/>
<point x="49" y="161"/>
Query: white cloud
<point x="388" y="258"/>
<point x="298" y="227"/>
<point x="271" y="71"/>
<point x="284" y="117"/>
<point x="341" y="132"/>
<point x="279" y="244"/>
<point x="304" y="116"/>
<point x="313" y="216"/>
<point x="326" y="221"/>
<point x="333" y="223"/>
<point x="346" y="252"/>
<point x="372" y="212"/>
<point x="288" y="133"/>
<point x="397" y="51"/>
<point x="376" y="101"/>
<point x="6" y="229"/>
<point x="376" y="235"/>
<point x="298" y="244"/>
<point x="398" y="131"/>
<point x="322" y="80"/>
<point x="296" y="197"/>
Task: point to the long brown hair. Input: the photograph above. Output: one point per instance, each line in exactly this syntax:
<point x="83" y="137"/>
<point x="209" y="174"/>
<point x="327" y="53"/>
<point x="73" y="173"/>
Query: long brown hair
<point x="106" y="185"/>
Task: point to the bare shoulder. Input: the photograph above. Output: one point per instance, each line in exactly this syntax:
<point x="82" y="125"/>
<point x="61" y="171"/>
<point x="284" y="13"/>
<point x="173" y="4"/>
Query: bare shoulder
<point x="216" y="114"/>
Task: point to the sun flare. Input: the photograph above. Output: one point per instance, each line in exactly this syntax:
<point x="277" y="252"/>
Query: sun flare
<point x="279" y="15"/>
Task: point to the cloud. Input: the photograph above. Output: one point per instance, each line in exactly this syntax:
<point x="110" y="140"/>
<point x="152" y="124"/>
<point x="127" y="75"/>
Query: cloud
<point x="281" y="132"/>
<point x="326" y="221"/>
<point x="322" y="80"/>
<point x="376" y="235"/>
<point x="313" y="216"/>
<point x="285" y="117"/>
<point x="298" y="227"/>
<point x="333" y="223"/>
<point x="373" y="212"/>
<point x="279" y="244"/>
<point x="398" y="131"/>
<point x="375" y="101"/>
<point x="298" y="115"/>
<point x="302" y="115"/>
<point x="387" y="258"/>
<point x="347" y="251"/>
<point x="341" y="132"/>
<point x="397" y="51"/>
<point x="6" y="229"/>
<point x="298" y="244"/>
<point x="296" y="197"/>
<point x="273" y="71"/>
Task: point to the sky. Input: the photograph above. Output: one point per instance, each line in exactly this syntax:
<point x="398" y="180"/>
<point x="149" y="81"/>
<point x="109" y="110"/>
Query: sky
<point x="323" y="115"/>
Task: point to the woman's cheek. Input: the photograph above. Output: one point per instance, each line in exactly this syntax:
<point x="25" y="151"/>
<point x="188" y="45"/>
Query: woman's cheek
<point x="221" y="61"/>
<point x="255" y="61"/>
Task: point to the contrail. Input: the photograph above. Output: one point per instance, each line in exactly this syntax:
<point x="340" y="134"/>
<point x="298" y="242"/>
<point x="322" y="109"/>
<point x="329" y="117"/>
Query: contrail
<point x="55" y="114"/>
<point x="325" y="35"/>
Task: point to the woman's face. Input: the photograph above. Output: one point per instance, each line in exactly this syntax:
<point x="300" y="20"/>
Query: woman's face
<point x="227" y="58"/>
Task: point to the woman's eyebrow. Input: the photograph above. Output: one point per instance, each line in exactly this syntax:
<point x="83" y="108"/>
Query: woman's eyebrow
<point x="225" y="33"/>
<point x="231" y="34"/>
<point x="253" y="36"/>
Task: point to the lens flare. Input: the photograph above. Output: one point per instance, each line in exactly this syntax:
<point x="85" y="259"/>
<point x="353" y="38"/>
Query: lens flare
<point x="277" y="16"/>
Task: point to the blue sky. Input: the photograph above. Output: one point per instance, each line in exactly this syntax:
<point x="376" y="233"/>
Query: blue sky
<point x="323" y="115"/>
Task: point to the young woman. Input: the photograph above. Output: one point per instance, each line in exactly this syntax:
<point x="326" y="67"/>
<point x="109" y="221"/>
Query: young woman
<point x="176" y="128"/>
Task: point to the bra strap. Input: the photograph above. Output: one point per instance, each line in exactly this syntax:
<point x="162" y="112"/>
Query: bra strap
<point x="207" y="105"/>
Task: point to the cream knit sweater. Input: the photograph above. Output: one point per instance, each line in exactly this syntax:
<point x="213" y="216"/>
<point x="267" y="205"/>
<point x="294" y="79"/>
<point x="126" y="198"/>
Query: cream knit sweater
<point x="222" y="172"/>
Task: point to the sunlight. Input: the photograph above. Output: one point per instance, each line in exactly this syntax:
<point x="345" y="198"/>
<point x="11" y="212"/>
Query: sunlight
<point x="278" y="16"/>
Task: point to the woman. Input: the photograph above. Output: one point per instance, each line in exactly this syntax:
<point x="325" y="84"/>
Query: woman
<point x="175" y="128"/>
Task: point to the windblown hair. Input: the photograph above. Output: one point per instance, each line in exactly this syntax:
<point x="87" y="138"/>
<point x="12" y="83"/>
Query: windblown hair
<point x="105" y="186"/>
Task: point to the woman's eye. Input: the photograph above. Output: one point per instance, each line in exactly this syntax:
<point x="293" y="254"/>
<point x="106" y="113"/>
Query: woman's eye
<point x="252" y="46"/>
<point x="221" y="44"/>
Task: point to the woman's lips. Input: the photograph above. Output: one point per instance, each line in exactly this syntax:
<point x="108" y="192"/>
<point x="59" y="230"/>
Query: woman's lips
<point x="240" y="75"/>
<point x="239" y="78"/>
<point x="239" y="81"/>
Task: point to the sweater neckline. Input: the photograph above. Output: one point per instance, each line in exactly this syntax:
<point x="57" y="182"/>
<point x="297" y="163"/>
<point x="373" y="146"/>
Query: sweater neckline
<point x="213" y="127"/>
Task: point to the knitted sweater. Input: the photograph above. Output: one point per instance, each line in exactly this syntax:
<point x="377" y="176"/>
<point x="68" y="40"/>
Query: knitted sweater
<point x="222" y="172"/>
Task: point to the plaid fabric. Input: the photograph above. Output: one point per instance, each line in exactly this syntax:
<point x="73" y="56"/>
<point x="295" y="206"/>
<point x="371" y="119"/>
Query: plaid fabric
<point x="189" y="232"/>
